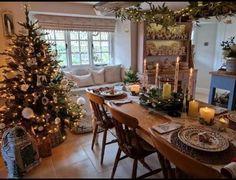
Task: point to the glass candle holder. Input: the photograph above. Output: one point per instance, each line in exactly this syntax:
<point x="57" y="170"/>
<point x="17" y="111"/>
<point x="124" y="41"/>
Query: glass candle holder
<point x="222" y="124"/>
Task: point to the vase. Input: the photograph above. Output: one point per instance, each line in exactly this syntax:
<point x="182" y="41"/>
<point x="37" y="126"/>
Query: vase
<point x="231" y="65"/>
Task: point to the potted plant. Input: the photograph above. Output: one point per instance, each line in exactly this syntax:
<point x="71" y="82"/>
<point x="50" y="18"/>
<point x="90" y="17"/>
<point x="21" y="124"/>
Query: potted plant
<point x="229" y="53"/>
<point x="131" y="77"/>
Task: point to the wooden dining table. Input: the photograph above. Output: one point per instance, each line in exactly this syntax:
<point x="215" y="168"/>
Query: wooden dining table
<point x="147" y="118"/>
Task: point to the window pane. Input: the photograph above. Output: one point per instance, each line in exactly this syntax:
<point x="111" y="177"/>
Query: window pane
<point x="96" y="46"/>
<point x="60" y="34"/>
<point x="61" y="47"/>
<point x="74" y="46"/>
<point x="74" y="35"/>
<point x="96" y="35"/>
<point x="105" y="46"/>
<point x="84" y="46"/>
<point x="75" y="59"/>
<point x="84" y="58"/>
<point x="104" y="35"/>
<point x="62" y="57"/>
<point x="97" y="58"/>
<point x="83" y="35"/>
<point x="50" y="34"/>
<point x="105" y="57"/>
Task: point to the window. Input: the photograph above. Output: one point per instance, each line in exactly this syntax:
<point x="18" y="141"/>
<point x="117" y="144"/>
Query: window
<point x="76" y="48"/>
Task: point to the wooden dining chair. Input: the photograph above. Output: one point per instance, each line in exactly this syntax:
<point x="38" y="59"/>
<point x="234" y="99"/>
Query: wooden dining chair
<point x="185" y="164"/>
<point x="103" y="120"/>
<point x="130" y="143"/>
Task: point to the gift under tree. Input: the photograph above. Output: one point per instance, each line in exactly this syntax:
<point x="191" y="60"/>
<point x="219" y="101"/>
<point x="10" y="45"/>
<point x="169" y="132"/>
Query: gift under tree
<point x="35" y="88"/>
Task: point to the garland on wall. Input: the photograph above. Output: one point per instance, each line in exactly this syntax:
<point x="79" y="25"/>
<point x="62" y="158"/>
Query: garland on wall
<point x="166" y="17"/>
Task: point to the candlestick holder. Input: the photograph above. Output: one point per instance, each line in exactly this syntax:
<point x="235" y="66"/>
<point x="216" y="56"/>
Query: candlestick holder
<point x="204" y="122"/>
<point x="133" y="93"/>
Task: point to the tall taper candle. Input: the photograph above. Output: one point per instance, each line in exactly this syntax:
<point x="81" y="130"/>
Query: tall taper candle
<point x="145" y="72"/>
<point x="176" y="75"/>
<point x="190" y="79"/>
<point x="157" y="72"/>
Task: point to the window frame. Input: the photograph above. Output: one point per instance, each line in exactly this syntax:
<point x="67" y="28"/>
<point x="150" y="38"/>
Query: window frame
<point x="90" y="40"/>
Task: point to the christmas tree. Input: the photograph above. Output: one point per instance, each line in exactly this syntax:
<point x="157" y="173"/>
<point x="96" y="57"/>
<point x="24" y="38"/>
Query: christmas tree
<point x="34" y="86"/>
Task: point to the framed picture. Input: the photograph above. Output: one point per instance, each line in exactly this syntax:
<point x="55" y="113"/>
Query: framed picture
<point x="8" y="23"/>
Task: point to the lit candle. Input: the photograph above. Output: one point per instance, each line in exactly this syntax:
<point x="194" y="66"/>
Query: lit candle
<point x="145" y="66"/>
<point x="193" y="108"/>
<point x="176" y="74"/>
<point x="144" y="72"/>
<point x="222" y="124"/>
<point x="207" y="114"/>
<point x="157" y="71"/>
<point x="190" y="79"/>
<point x="135" y="88"/>
<point x="166" y="90"/>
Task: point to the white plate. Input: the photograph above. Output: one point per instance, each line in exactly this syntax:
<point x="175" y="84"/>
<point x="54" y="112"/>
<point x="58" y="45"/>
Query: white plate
<point x="116" y="93"/>
<point x="189" y="136"/>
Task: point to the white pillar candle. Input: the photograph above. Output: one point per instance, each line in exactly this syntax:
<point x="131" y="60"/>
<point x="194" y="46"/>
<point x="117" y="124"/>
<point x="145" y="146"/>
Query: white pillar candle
<point x="157" y="72"/>
<point x="166" y="90"/>
<point x="193" y="108"/>
<point x="190" y="79"/>
<point x="207" y="114"/>
<point x="176" y="74"/>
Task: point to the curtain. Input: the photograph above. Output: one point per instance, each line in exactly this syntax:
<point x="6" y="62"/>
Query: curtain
<point x="75" y="23"/>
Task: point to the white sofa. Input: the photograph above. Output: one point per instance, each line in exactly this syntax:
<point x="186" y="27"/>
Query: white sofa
<point x="106" y="76"/>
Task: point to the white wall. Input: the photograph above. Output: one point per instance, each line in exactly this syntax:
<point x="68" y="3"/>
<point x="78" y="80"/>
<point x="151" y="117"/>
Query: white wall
<point x="224" y="32"/>
<point x="122" y="43"/>
<point x="204" y="55"/>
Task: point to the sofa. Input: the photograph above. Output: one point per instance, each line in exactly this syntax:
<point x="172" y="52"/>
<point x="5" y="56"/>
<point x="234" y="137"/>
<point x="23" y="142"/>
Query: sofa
<point x="94" y="77"/>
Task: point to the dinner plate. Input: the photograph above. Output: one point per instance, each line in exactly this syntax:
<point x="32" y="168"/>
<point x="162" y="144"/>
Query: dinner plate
<point x="189" y="136"/>
<point x="116" y="93"/>
<point x="232" y="116"/>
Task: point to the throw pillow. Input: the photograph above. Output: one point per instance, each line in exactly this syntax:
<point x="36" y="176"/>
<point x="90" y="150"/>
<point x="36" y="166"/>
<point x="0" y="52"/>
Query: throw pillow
<point x="112" y="74"/>
<point x="80" y="72"/>
<point x="98" y="76"/>
<point x="85" y="80"/>
<point x="68" y="75"/>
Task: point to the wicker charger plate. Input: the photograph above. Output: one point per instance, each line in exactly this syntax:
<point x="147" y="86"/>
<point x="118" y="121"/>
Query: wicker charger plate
<point x="232" y="116"/>
<point x="222" y="157"/>
<point x="189" y="136"/>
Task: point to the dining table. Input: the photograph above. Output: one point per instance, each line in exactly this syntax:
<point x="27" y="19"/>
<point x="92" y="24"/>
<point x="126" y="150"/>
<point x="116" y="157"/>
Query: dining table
<point x="148" y="117"/>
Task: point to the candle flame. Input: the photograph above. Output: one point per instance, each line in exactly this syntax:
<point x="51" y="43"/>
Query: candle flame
<point x="177" y="60"/>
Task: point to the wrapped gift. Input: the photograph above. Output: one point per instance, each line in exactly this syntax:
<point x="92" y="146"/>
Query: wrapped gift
<point x="44" y="146"/>
<point x="55" y="135"/>
<point x="19" y="151"/>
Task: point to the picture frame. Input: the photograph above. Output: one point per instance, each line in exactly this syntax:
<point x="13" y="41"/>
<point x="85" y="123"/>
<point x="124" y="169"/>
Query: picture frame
<point x="8" y="23"/>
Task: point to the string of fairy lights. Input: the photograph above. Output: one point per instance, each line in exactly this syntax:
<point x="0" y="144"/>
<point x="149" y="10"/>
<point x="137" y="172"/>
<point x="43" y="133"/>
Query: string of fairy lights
<point x="164" y="16"/>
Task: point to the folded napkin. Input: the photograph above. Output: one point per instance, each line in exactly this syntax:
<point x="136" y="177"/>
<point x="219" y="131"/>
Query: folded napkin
<point x="229" y="170"/>
<point x="121" y="101"/>
<point x="166" y="127"/>
<point x="219" y="110"/>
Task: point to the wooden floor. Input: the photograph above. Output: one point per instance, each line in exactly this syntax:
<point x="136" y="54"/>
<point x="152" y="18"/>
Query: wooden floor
<point x="75" y="159"/>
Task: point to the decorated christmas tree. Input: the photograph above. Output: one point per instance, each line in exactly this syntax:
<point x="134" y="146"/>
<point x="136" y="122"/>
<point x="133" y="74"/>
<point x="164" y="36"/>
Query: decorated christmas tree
<point x="34" y="86"/>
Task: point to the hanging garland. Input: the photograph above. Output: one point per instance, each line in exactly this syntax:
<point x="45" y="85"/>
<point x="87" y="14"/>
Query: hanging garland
<point x="166" y="17"/>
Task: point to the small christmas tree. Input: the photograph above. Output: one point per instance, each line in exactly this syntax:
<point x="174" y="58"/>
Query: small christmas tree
<point x="36" y="90"/>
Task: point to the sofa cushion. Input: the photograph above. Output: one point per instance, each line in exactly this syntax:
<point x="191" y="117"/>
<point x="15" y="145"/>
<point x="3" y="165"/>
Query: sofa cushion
<point x="68" y="75"/>
<point x="85" y="80"/>
<point x="80" y="72"/>
<point x="98" y="76"/>
<point x="112" y="74"/>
